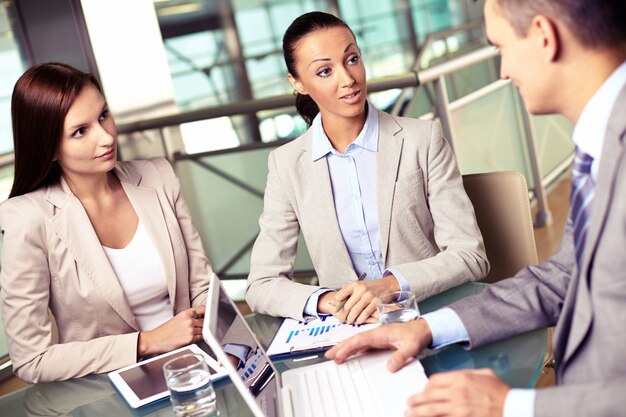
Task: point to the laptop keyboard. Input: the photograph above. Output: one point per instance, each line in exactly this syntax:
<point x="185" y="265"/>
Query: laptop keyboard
<point x="337" y="391"/>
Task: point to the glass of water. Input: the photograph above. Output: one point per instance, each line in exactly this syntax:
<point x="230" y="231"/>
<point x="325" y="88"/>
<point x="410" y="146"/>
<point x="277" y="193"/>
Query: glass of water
<point x="397" y="307"/>
<point x="189" y="381"/>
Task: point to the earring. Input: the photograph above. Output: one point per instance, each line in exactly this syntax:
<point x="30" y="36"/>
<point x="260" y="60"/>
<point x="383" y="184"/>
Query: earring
<point x="294" y="92"/>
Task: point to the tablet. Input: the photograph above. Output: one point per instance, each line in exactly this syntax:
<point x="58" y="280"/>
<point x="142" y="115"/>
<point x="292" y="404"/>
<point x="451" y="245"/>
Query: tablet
<point x="144" y="383"/>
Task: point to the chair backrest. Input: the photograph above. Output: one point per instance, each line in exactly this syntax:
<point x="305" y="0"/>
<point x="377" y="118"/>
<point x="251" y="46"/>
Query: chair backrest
<point x="502" y="209"/>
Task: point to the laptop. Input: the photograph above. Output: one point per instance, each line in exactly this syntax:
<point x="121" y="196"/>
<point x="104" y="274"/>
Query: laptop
<point x="360" y="387"/>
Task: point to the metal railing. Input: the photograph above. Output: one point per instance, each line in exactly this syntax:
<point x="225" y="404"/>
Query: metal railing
<point x="7" y="159"/>
<point x="409" y="79"/>
<point x="445" y="34"/>
<point x="417" y="63"/>
<point x="442" y="107"/>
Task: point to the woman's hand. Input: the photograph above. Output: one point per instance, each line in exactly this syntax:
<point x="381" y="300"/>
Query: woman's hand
<point x="326" y="304"/>
<point x="182" y="329"/>
<point x="361" y="299"/>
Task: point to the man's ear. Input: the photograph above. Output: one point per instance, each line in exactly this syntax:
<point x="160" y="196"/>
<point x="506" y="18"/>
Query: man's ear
<point x="546" y="33"/>
<point x="297" y="85"/>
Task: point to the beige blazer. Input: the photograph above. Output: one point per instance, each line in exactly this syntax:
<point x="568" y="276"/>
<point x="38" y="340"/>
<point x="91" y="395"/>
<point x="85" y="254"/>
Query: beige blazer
<point x="428" y="230"/>
<point x="52" y="258"/>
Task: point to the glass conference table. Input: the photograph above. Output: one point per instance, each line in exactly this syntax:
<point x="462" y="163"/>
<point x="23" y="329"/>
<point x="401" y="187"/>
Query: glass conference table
<point x="517" y="361"/>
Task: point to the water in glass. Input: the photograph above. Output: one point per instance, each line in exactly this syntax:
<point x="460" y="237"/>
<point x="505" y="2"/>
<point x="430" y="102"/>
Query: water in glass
<point x="399" y="316"/>
<point x="397" y="307"/>
<point x="192" y="393"/>
<point x="191" y="390"/>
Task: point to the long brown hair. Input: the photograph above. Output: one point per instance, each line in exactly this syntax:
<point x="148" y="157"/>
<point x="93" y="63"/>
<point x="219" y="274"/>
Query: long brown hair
<point x="41" y="99"/>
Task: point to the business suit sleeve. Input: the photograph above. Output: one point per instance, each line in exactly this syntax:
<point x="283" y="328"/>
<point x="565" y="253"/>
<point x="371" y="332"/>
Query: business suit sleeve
<point x="271" y="289"/>
<point x="237" y="334"/>
<point x="461" y="254"/>
<point x="531" y="300"/>
<point x="200" y="269"/>
<point x="25" y="280"/>
<point x="598" y="399"/>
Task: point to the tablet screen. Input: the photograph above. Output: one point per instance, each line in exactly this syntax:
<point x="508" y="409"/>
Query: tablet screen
<point x="147" y="379"/>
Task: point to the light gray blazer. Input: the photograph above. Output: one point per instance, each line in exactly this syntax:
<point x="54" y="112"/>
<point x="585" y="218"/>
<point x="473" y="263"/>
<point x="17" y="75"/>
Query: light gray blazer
<point x="52" y="258"/>
<point x="428" y="230"/>
<point x="587" y="306"/>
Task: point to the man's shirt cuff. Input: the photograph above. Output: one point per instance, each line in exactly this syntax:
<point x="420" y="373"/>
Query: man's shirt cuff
<point x="238" y="351"/>
<point x="446" y="328"/>
<point x="519" y="403"/>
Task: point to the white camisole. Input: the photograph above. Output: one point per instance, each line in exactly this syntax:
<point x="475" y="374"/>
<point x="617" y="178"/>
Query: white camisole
<point x="142" y="276"/>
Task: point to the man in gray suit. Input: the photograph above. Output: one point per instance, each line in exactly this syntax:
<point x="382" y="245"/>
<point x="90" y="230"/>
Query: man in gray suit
<point x="566" y="57"/>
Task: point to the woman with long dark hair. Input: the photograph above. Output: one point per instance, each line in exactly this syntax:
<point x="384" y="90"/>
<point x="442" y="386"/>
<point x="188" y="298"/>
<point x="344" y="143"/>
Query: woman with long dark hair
<point x="105" y="249"/>
<point x="374" y="195"/>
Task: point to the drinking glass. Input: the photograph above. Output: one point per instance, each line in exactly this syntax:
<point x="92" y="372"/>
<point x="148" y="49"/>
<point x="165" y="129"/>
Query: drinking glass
<point x="397" y="307"/>
<point x="189" y="381"/>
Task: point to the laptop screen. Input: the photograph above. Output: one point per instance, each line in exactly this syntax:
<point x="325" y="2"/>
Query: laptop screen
<point x="243" y="350"/>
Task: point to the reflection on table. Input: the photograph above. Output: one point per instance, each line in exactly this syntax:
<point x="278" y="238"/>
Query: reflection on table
<point x="517" y="360"/>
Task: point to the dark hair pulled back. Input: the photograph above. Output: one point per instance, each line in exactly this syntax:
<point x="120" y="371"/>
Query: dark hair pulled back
<point x="299" y="28"/>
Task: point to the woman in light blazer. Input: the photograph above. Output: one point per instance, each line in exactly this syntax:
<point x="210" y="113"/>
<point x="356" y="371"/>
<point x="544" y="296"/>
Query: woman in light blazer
<point x="108" y="249"/>
<point x="374" y="195"/>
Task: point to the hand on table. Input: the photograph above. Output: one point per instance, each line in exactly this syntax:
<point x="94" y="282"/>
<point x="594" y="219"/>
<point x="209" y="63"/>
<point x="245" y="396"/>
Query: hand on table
<point x="182" y="329"/>
<point x="467" y="393"/>
<point x="407" y="339"/>
<point x="361" y="299"/>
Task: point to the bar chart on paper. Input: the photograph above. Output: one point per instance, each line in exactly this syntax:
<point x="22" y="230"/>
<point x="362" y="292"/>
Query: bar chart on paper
<point x="295" y="336"/>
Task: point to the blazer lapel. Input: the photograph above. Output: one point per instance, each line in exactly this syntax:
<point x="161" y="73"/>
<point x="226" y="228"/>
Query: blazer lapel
<point x="612" y="156"/>
<point x="322" y="205"/>
<point x="146" y="203"/>
<point x="74" y="228"/>
<point x="390" y="142"/>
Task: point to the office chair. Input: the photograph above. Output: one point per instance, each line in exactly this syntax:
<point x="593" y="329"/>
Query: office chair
<point x="502" y="210"/>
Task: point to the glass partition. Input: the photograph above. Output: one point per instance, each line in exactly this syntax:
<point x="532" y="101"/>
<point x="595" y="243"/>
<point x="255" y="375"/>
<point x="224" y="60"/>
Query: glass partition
<point x="6" y="181"/>
<point x="11" y="67"/>
<point x="470" y="79"/>
<point x="222" y="52"/>
<point x="225" y="193"/>
<point x="554" y="141"/>
<point x="500" y="144"/>
<point x="496" y="145"/>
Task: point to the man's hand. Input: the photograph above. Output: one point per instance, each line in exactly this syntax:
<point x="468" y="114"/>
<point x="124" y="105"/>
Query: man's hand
<point x="408" y="339"/>
<point x="467" y="393"/>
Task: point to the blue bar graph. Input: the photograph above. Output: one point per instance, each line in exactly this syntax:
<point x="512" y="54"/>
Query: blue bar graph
<point x="295" y="336"/>
<point x="314" y="331"/>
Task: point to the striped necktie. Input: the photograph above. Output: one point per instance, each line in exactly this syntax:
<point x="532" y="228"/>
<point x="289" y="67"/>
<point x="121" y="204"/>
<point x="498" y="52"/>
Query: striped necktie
<point x="583" y="190"/>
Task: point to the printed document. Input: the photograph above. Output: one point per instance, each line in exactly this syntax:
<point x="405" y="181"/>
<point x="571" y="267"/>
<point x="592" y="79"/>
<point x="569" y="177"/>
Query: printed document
<point x="296" y="337"/>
